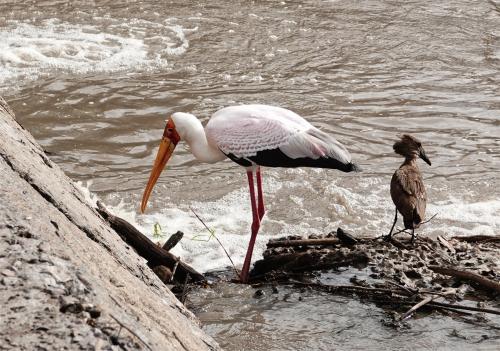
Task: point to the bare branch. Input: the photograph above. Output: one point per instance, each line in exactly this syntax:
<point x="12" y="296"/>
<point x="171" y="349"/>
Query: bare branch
<point x="212" y="233"/>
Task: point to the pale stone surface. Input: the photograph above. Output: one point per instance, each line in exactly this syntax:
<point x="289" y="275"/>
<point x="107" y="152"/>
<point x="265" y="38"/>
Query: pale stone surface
<point x="65" y="276"/>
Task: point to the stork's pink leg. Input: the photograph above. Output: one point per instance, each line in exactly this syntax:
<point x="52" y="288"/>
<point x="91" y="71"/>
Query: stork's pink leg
<point x="260" y="195"/>
<point x="255" y="229"/>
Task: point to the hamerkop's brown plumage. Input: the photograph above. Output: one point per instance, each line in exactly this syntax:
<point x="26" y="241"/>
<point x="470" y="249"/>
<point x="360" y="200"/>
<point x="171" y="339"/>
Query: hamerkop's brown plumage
<point x="407" y="186"/>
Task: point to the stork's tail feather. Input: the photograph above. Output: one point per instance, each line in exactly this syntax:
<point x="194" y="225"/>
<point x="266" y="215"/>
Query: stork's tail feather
<point x="355" y="167"/>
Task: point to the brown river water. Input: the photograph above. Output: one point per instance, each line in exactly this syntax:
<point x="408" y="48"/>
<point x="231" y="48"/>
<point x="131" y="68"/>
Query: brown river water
<point x="94" y="81"/>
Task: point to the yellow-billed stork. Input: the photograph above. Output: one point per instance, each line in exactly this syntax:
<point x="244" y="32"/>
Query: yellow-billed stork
<point x="252" y="136"/>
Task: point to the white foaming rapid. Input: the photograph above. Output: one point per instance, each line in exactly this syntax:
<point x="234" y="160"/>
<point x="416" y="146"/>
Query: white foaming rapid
<point x="228" y="217"/>
<point x="310" y="204"/>
<point x="29" y="51"/>
<point x="459" y="218"/>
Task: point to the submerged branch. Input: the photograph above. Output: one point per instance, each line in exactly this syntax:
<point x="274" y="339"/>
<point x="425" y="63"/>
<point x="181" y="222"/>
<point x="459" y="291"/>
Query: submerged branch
<point x="416" y="307"/>
<point x="424" y="302"/>
<point x="155" y="255"/>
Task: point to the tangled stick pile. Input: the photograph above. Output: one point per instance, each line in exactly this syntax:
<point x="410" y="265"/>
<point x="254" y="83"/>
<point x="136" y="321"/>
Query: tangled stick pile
<point x="399" y="273"/>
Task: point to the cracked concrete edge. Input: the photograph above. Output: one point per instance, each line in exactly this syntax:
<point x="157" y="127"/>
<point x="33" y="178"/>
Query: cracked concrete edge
<point x="57" y="254"/>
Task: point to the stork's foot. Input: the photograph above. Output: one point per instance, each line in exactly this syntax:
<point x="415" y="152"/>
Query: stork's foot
<point x="238" y="280"/>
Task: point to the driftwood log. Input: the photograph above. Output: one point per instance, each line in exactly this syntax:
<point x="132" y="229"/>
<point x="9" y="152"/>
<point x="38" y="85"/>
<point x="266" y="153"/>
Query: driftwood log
<point x="478" y="238"/>
<point x="465" y="275"/>
<point x="173" y="240"/>
<point x="164" y="273"/>
<point x="309" y="261"/>
<point x="303" y="242"/>
<point x="342" y="238"/>
<point x="346" y="238"/>
<point x="155" y="255"/>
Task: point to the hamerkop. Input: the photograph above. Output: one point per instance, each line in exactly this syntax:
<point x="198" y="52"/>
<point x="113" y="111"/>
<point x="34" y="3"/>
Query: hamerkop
<point x="407" y="186"/>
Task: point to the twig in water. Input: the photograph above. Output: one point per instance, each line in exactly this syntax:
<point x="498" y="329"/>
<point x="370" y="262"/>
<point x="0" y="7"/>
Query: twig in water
<point x="425" y="301"/>
<point x="212" y="233"/>
<point x="405" y="288"/>
<point x="461" y="307"/>
<point x="430" y="219"/>
<point x="184" y="289"/>
<point x="416" y="307"/>
<point x="131" y="331"/>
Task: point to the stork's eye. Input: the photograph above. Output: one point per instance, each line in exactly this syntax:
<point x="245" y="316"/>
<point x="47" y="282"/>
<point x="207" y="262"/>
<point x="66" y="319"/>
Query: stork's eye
<point x="170" y="130"/>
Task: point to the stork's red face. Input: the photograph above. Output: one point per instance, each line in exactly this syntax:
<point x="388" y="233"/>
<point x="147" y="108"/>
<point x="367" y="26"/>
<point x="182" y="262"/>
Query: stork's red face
<point x="168" y="142"/>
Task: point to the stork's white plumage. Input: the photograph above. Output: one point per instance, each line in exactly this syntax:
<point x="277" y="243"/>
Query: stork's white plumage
<point x="252" y="136"/>
<point x="245" y="130"/>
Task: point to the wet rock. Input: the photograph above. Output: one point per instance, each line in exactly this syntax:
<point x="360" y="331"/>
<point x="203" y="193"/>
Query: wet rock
<point x="259" y="293"/>
<point x="92" y="310"/>
<point x="345" y="237"/>
<point x="70" y="304"/>
<point x="456" y="334"/>
<point x="24" y="233"/>
<point x="359" y="282"/>
<point x="331" y="235"/>
<point x="8" y="272"/>
<point x="10" y="281"/>
<point x="44" y="247"/>
<point x="413" y="274"/>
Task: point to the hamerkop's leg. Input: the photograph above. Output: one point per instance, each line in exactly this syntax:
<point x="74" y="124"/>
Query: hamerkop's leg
<point x="388" y="237"/>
